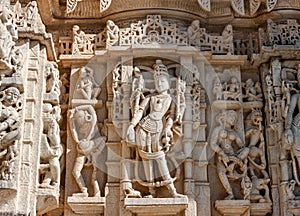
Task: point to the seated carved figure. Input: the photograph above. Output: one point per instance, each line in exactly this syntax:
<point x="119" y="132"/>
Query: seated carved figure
<point x="112" y="33"/>
<point x="231" y="163"/>
<point x="232" y="89"/>
<point x="86" y="86"/>
<point x="152" y="132"/>
<point x="85" y="133"/>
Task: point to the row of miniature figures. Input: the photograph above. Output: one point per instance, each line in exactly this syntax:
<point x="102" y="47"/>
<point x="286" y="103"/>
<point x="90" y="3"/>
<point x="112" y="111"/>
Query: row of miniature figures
<point x="234" y="90"/>
<point x="162" y="32"/>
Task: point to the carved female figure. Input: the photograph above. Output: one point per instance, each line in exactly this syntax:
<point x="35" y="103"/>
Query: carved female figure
<point x="112" y="33"/>
<point x="10" y="130"/>
<point x="8" y="36"/>
<point x="152" y="137"/>
<point x="84" y="130"/>
<point x="231" y="163"/>
<point x="87" y="85"/>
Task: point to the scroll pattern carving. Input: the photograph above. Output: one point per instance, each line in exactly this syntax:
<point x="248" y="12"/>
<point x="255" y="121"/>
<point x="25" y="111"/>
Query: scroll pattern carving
<point x="152" y="30"/>
<point x="283" y="34"/>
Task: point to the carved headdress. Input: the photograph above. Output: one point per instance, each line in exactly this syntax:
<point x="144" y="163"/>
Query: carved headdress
<point x="160" y="69"/>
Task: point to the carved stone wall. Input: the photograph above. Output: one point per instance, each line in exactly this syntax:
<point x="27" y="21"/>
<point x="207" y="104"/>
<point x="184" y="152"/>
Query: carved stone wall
<point x="134" y="108"/>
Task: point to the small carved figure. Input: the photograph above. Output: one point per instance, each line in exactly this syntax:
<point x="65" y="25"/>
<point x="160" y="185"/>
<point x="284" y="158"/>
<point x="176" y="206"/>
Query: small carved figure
<point x="64" y="89"/>
<point x="52" y="79"/>
<point x="17" y="61"/>
<point x="292" y="132"/>
<point x="51" y="148"/>
<point x="86" y="84"/>
<point x="194" y="33"/>
<point x="152" y="137"/>
<point x="82" y="43"/>
<point x="260" y="186"/>
<point x="247" y="186"/>
<point x="286" y="89"/>
<point x="31" y="13"/>
<point x="9" y="127"/>
<point x="252" y="93"/>
<point x="218" y="89"/>
<point x="232" y="90"/>
<point x="227" y="39"/>
<point x="83" y="125"/>
<point x="8" y="36"/>
<point x="138" y="86"/>
<point x="256" y="144"/>
<point x="231" y="164"/>
<point x="112" y="33"/>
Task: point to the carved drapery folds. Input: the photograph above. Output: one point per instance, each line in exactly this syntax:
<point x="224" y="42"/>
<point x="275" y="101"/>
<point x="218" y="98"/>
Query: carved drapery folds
<point x="157" y="104"/>
<point x="151" y="31"/>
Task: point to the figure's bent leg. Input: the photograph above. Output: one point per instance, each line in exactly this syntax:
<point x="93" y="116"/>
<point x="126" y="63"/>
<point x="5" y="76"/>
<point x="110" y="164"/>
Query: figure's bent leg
<point x="77" y="173"/>
<point x="224" y="180"/>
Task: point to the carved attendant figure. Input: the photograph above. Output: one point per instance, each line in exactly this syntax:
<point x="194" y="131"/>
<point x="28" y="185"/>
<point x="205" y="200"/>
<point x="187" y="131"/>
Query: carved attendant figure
<point x="112" y="33"/>
<point x="230" y="164"/>
<point x="152" y="137"/>
<point x="292" y="131"/>
<point x="86" y="84"/>
<point x="84" y="130"/>
<point x="51" y="148"/>
<point x="10" y="125"/>
<point x="8" y="36"/>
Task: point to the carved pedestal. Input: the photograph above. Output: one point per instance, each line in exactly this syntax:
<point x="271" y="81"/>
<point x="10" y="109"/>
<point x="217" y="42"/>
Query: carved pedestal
<point x="156" y="206"/>
<point x="233" y="207"/>
<point x="294" y="207"/>
<point x="87" y="205"/>
<point x="259" y="209"/>
<point x="47" y="200"/>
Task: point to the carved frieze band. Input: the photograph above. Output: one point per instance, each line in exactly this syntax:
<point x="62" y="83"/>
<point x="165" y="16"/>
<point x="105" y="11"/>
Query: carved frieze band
<point x="153" y="30"/>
